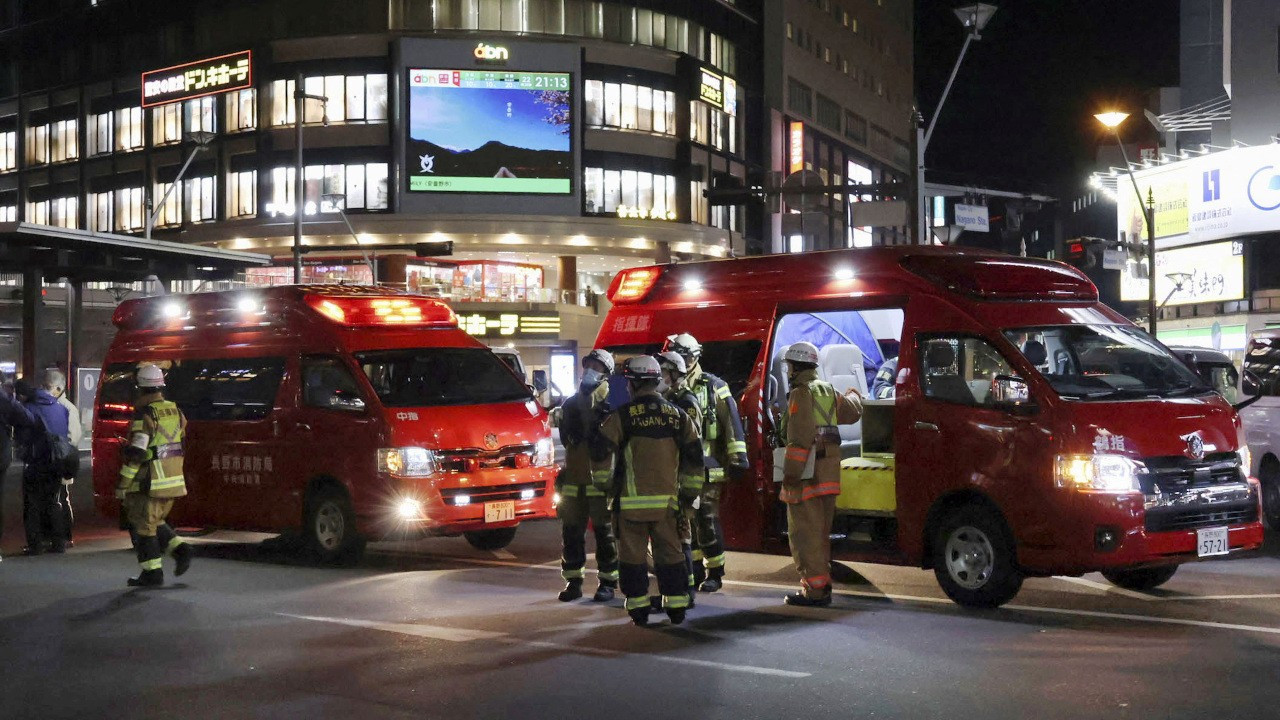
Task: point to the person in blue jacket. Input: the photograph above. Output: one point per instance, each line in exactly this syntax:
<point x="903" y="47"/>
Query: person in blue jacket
<point x="34" y="414"/>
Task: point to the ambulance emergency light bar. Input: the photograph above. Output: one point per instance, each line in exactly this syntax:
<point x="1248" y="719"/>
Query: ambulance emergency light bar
<point x="389" y="310"/>
<point x="355" y="306"/>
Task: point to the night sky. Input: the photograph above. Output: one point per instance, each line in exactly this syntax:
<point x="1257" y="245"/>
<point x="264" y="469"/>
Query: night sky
<point x="1020" y="114"/>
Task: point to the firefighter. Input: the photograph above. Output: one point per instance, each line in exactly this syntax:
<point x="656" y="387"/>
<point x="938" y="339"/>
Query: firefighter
<point x="723" y="446"/>
<point x="811" y="473"/>
<point x="579" y="419"/>
<point x="151" y="478"/>
<point x="658" y="465"/>
<point x="673" y="374"/>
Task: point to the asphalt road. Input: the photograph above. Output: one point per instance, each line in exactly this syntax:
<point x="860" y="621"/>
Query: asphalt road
<point x="437" y="629"/>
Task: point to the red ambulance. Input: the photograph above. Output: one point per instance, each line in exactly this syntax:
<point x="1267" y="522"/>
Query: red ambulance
<point x="1014" y="426"/>
<point x="349" y="413"/>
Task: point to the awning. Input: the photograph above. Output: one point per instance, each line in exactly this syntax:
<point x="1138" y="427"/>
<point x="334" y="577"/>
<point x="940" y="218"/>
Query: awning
<point x="94" y="256"/>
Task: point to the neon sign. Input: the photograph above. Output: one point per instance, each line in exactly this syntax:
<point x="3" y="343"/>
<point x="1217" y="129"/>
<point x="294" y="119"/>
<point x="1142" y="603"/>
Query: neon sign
<point x="224" y="73"/>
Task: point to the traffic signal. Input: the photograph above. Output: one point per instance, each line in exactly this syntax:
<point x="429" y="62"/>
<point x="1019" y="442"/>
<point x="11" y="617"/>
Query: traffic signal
<point x="1083" y="252"/>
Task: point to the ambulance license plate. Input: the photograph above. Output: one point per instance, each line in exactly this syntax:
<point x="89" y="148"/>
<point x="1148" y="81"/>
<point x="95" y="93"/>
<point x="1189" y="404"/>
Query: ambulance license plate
<point x="1212" y="541"/>
<point x="504" y="511"/>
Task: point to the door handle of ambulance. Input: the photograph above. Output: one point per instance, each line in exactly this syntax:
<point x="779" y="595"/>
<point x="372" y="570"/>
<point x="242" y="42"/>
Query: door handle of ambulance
<point x="925" y="426"/>
<point x="303" y="426"/>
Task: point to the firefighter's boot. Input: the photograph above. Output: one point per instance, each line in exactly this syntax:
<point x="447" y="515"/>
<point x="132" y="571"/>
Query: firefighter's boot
<point x="605" y="592"/>
<point x="572" y="590"/>
<point x="148" y="551"/>
<point x="714" y="581"/>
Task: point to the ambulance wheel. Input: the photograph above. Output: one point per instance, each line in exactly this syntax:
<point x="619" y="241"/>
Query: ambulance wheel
<point x="973" y="558"/>
<point x="1141" y="578"/>
<point x="490" y="539"/>
<point x="1269" y="475"/>
<point x="330" y="527"/>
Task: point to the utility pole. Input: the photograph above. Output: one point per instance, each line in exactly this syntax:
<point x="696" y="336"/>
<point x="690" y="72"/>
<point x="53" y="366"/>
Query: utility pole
<point x="300" y="98"/>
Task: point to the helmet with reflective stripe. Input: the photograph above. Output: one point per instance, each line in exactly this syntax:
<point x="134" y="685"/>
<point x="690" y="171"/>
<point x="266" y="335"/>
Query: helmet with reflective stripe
<point x="641" y="368"/>
<point x="150" y="376"/>
<point x="672" y="360"/>
<point x="604" y="357"/>
<point x="685" y="344"/>
<point x="804" y="352"/>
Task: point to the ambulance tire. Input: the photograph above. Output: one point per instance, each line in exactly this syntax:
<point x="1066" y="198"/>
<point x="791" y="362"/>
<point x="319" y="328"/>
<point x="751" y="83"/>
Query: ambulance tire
<point x="973" y="558"/>
<point x="1141" y="578"/>
<point x="330" y="528"/>
<point x="491" y="539"/>
<point x="1269" y="476"/>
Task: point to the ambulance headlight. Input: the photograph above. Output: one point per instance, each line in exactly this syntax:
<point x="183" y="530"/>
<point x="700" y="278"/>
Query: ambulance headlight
<point x="409" y="509"/>
<point x="1246" y="459"/>
<point x="407" y="461"/>
<point x="1097" y="473"/>
<point x="544" y="453"/>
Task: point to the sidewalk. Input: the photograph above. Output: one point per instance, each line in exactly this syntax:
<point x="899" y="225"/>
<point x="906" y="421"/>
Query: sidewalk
<point x="88" y="522"/>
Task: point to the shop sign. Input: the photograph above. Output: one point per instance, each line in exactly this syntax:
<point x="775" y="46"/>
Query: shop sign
<point x="1167" y="186"/>
<point x="711" y="89"/>
<point x="797" y="147"/>
<point x="491" y="54"/>
<point x="510" y="325"/>
<point x="639" y="213"/>
<point x="221" y="74"/>
<point x="1193" y="274"/>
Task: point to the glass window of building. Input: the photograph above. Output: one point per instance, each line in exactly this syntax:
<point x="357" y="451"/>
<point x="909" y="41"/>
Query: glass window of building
<point x="828" y="113"/>
<point x="200" y="115"/>
<point x="242" y="110"/>
<point x="363" y="185"/>
<point x="38" y="145"/>
<point x="351" y="98"/>
<point x="65" y="212"/>
<point x="98" y="135"/>
<point x="697" y="203"/>
<point x="242" y="194"/>
<point x="699" y="122"/>
<point x="166" y="124"/>
<point x="799" y="97"/>
<point x="64" y="141"/>
<point x="200" y="195"/>
<point x="280" y="200"/>
<point x="101" y="207"/>
<point x="632" y="193"/>
<point x="8" y="213"/>
<point x="128" y="129"/>
<point x="629" y="107"/>
<point x="8" y="151"/>
<point x="855" y="127"/>
<point x="38" y="212"/>
<point x="170" y="213"/>
<point x="613" y="105"/>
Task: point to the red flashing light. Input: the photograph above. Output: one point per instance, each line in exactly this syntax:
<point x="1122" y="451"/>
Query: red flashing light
<point x="633" y="285"/>
<point x="386" y="310"/>
<point x="1076" y="249"/>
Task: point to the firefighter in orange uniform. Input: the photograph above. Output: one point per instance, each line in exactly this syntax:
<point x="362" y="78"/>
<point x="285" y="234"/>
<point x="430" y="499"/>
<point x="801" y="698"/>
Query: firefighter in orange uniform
<point x="811" y="474"/>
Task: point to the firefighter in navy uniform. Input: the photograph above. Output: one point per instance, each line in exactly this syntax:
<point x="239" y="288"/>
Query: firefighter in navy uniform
<point x="811" y="473"/>
<point x="578" y="419"/>
<point x="151" y="478"/>
<point x="723" y="446"/>
<point x="673" y="374"/>
<point x="653" y="447"/>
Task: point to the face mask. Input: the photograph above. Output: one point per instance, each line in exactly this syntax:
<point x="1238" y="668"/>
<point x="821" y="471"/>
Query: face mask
<point x="591" y="379"/>
<point x="663" y="386"/>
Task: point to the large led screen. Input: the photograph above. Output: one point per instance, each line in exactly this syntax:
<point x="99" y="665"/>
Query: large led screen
<point x="489" y="131"/>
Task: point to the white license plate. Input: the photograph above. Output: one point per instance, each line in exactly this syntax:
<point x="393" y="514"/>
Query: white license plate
<point x="1212" y="541"/>
<point x="500" y="511"/>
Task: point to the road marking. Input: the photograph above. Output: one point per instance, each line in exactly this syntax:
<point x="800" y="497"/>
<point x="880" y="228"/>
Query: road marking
<point x="1104" y="587"/>
<point x="436" y="632"/>
<point x="503" y="554"/>
<point x="1259" y="596"/>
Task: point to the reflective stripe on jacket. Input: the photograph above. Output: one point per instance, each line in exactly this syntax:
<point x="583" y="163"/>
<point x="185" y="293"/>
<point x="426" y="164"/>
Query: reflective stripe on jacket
<point x="657" y="454"/>
<point x="154" y="453"/>
<point x="814" y="409"/>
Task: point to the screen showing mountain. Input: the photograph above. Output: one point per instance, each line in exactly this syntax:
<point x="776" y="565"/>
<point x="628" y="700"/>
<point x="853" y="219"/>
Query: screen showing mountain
<point x="489" y="131"/>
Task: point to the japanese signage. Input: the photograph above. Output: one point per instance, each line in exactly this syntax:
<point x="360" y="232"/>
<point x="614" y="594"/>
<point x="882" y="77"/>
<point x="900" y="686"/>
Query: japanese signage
<point x="197" y="79"/>
<point x="973" y="217"/>
<point x="1193" y="274"/>
<point x="797" y="147"/>
<point x="640" y="213"/>
<point x="1168" y="187"/>
<point x="711" y="88"/>
<point x="509" y="325"/>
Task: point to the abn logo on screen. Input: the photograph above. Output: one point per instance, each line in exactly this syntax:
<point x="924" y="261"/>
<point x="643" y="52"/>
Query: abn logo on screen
<point x="490" y="54"/>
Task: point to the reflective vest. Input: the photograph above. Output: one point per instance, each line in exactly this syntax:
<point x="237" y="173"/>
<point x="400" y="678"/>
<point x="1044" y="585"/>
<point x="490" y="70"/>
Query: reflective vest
<point x="161" y="426"/>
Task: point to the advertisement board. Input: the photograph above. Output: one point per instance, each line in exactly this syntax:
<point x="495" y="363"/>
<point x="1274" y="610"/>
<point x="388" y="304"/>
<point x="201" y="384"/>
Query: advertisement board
<point x="489" y="131"/>
<point x="1168" y="186"/>
<point x="197" y="79"/>
<point x="1191" y="274"/>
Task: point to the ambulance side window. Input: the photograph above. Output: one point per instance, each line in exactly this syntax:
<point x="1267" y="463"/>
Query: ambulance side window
<point x="960" y="369"/>
<point x="328" y="384"/>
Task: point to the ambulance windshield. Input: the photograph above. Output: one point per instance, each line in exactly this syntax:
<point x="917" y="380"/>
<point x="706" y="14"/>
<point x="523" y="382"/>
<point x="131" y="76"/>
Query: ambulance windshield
<point x="426" y="377"/>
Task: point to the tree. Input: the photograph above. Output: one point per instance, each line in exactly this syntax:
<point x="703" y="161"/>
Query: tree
<point x="557" y="102"/>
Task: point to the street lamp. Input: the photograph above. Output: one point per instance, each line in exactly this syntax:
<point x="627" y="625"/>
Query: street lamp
<point x="300" y="98"/>
<point x="974" y="17"/>
<point x="1111" y="120"/>
<point x="201" y="140"/>
<point x="338" y="201"/>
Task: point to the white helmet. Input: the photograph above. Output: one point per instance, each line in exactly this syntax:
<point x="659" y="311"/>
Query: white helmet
<point x="673" y="360"/>
<point x="804" y="352"/>
<point x="150" y="376"/>
<point x="641" y="368"/>
<point x="685" y="344"/>
<point x="604" y="357"/>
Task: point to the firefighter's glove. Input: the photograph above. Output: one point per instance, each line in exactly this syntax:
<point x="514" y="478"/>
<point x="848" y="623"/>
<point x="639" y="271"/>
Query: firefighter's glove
<point x="120" y="493"/>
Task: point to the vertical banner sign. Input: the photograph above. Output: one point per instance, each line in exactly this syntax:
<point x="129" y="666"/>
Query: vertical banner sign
<point x="197" y="79"/>
<point x="797" y="147"/>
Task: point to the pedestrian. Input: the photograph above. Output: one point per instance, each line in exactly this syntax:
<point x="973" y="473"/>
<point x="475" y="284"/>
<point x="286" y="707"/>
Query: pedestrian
<point x="723" y="446"/>
<point x="151" y="478"/>
<point x="646" y="456"/>
<point x="673" y="377"/>
<point x="35" y="415"/>
<point x="55" y="383"/>
<point x="579" y="418"/>
<point x="811" y="473"/>
<point x="6" y="447"/>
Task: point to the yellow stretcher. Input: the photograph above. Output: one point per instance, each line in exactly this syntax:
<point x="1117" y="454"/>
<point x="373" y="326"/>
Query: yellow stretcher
<point x="867" y="485"/>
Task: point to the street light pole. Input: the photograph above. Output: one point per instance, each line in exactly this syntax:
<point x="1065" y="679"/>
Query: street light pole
<point x="202" y="140"/>
<point x="975" y="17"/>
<point x="300" y="99"/>
<point x="1112" y="121"/>
<point x="338" y="201"/>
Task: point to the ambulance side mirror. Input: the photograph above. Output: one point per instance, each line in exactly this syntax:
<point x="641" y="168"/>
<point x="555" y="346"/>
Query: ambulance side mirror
<point x="1251" y="385"/>
<point x="540" y="383"/>
<point x="1012" y="394"/>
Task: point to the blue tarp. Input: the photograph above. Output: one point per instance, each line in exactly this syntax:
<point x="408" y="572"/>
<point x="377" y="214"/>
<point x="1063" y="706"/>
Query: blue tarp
<point x="832" y="328"/>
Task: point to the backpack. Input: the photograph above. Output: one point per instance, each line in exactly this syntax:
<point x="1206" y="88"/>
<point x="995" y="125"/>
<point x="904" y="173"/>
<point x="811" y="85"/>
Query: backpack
<point x="62" y="456"/>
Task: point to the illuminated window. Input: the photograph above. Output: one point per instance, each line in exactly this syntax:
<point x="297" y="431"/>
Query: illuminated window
<point x="64" y="212"/>
<point x="242" y="194"/>
<point x="38" y="145"/>
<point x="64" y="142"/>
<point x="632" y="193"/>
<point x="363" y="185"/>
<point x="8" y="213"/>
<point x="166" y="124"/>
<point x="200" y="199"/>
<point x="280" y="200"/>
<point x="170" y="213"/>
<point x="101" y="210"/>
<point x="8" y="151"/>
<point x="98" y="134"/>
<point x="38" y="212"/>
<point x="128" y="129"/>
<point x="242" y="110"/>
<point x="350" y="98"/>
<point x="200" y="115"/>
